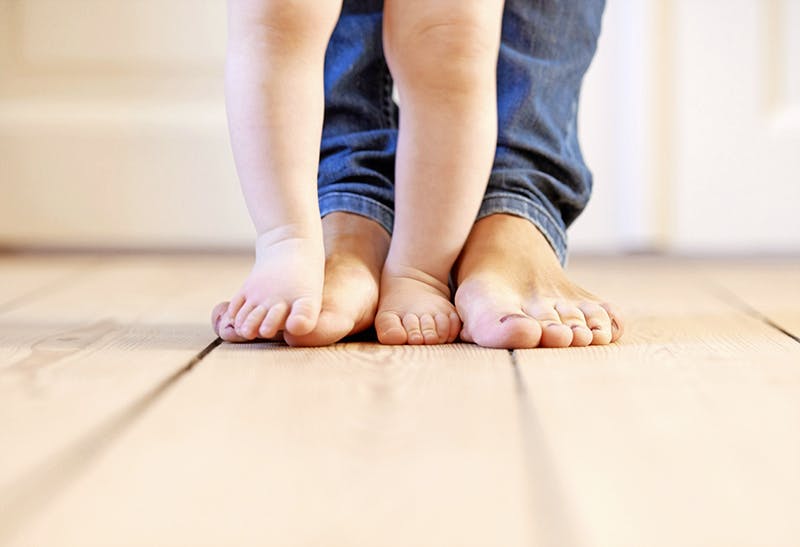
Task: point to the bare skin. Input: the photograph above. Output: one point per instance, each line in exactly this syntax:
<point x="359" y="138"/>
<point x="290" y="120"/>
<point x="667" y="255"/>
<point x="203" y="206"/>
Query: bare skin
<point x="513" y="293"/>
<point x="355" y="249"/>
<point x="443" y="56"/>
<point x="275" y="60"/>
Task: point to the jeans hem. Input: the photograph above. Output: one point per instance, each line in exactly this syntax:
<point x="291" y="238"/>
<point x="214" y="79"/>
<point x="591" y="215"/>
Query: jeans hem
<point x="343" y="202"/>
<point x="516" y="205"/>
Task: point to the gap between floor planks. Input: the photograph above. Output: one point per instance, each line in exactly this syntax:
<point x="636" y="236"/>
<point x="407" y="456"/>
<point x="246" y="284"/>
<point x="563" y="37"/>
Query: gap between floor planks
<point x="54" y="464"/>
<point x="59" y="397"/>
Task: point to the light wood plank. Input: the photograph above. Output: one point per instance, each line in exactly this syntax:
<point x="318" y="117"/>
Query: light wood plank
<point x="685" y="433"/>
<point x="82" y="362"/>
<point x="353" y="445"/>
<point x="23" y="276"/>
<point x="771" y="287"/>
<point x="27" y="278"/>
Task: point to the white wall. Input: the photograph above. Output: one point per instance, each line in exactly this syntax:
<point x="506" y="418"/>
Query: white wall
<point x="616" y="126"/>
<point x="691" y="123"/>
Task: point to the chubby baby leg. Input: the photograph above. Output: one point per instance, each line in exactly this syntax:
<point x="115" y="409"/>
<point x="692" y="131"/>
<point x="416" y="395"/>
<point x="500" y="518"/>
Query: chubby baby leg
<point x="275" y="102"/>
<point x="443" y="55"/>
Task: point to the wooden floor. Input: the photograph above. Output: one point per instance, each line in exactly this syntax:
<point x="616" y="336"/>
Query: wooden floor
<point x="124" y="422"/>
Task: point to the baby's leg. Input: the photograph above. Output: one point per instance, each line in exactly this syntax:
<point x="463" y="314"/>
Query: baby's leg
<point x="274" y="96"/>
<point x="443" y="55"/>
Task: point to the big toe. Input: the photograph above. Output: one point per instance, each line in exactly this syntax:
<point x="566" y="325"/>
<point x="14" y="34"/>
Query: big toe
<point x="390" y="328"/>
<point x="505" y="328"/>
<point x="495" y="320"/>
<point x="330" y="328"/>
<point x="303" y="316"/>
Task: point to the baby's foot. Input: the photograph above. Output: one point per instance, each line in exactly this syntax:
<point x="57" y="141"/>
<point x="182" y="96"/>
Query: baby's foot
<point x="282" y="292"/>
<point x="415" y="308"/>
<point x="513" y="293"/>
<point x="355" y="249"/>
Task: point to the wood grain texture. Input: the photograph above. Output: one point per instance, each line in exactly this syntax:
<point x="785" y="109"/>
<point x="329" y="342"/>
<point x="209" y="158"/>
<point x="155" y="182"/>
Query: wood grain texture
<point x="79" y="361"/>
<point x="352" y="445"/>
<point x="24" y="277"/>
<point x="687" y="432"/>
<point x="771" y="288"/>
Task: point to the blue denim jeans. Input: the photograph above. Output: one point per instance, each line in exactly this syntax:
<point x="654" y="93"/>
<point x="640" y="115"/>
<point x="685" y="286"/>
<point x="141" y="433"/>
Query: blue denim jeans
<point x="538" y="171"/>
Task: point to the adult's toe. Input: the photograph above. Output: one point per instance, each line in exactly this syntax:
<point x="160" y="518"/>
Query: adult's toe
<point x="555" y="334"/>
<point x="572" y="317"/>
<point x="598" y="321"/>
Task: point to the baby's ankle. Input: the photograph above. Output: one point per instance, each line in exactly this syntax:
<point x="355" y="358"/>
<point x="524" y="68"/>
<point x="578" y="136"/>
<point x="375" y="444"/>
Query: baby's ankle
<point x="436" y="280"/>
<point x="288" y="235"/>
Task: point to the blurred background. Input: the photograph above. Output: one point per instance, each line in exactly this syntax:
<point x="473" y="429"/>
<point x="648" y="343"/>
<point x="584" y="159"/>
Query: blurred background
<point x="113" y="130"/>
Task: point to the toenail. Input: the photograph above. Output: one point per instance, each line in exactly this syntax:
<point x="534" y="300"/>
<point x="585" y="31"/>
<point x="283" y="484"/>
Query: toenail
<point x="513" y="316"/>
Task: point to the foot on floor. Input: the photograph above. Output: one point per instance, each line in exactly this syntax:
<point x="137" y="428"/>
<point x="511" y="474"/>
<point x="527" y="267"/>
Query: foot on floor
<point x="415" y="309"/>
<point x="513" y="293"/>
<point x="284" y="288"/>
<point x="355" y="249"/>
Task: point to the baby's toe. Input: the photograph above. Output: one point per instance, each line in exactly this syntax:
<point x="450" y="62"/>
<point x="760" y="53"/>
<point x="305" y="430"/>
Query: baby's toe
<point x="249" y="327"/>
<point x="216" y="316"/>
<point x="442" y="321"/>
<point x="413" y="329"/>
<point x="274" y="320"/>
<point x="234" y="307"/>
<point x="598" y="321"/>
<point x="390" y="329"/>
<point x="572" y="317"/>
<point x="455" y="326"/>
<point x="223" y="327"/>
<point x="430" y="333"/>
<point x="243" y="313"/>
<point x="303" y="316"/>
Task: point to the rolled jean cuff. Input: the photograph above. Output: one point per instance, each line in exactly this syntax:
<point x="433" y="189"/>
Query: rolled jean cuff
<point x="343" y="202"/>
<point x="517" y="205"/>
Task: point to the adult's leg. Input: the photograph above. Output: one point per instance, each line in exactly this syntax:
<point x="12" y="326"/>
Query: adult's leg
<point x="512" y="290"/>
<point x="356" y="169"/>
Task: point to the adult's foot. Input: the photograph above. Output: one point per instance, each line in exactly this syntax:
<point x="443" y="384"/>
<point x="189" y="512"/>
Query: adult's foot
<point x="355" y="249"/>
<point x="513" y="293"/>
